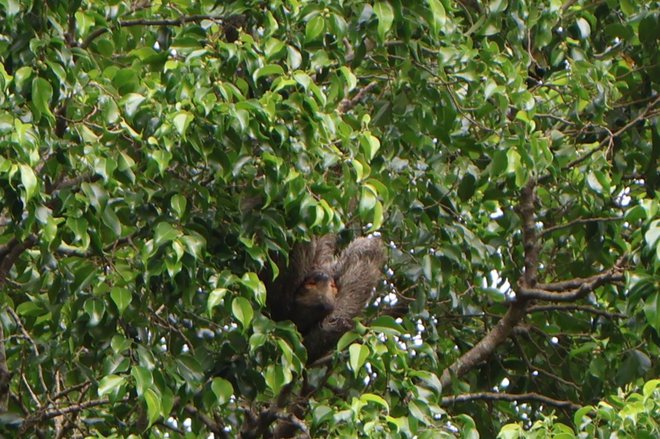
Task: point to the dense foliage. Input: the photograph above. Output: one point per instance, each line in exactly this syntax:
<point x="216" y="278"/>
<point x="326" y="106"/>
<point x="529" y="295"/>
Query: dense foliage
<point x="156" y="156"/>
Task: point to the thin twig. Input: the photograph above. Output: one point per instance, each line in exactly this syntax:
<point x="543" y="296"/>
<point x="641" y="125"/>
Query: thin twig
<point x="579" y="221"/>
<point x="144" y="22"/>
<point x="5" y="375"/>
<point x="583" y="308"/>
<point x="19" y="323"/>
<point x="521" y="397"/>
<point x="348" y="103"/>
<point x="644" y="114"/>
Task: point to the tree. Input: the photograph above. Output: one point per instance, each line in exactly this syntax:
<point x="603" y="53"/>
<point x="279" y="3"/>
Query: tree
<point x="157" y="156"/>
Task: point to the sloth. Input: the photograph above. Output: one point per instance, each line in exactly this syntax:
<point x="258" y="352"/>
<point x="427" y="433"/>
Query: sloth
<point x="321" y="293"/>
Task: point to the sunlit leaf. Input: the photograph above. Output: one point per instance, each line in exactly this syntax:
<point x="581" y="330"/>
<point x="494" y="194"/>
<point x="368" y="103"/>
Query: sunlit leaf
<point x="222" y="389"/>
<point x="29" y="180"/>
<point x="122" y="298"/>
<point x="242" y="310"/>
<point x="358" y="354"/>
<point x="42" y="93"/>
<point x="385" y="14"/>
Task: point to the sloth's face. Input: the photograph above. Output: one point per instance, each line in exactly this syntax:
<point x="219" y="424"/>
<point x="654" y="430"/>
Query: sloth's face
<point x="318" y="292"/>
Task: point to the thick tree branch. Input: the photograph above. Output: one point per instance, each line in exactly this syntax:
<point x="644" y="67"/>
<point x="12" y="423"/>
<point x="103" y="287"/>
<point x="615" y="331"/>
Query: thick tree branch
<point x="614" y="274"/>
<point x="12" y="252"/>
<point x="521" y="397"/>
<point x="213" y="426"/>
<point x="348" y="103"/>
<point x="257" y="425"/>
<point x="518" y="308"/>
<point x="571" y="284"/>
<point x="530" y="244"/>
<point x="487" y="345"/>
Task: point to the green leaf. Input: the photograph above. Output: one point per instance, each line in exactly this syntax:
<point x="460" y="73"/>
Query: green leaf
<point x="497" y="6"/>
<point x="346" y="340"/>
<point x="387" y="325"/>
<point x="627" y="7"/>
<point x="122" y="298"/>
<point x="650" y="387"/>
<point x="29" y="180"/>
<point x="252" y="282"/>
<point x="195" y="245"/>
<point x="222" y="389"/>
<point x="349" y="77"/>
<point x="178" y="203"/>
<point x="511" y="431"/>
<point x="109" y="110"/>
<point x="182" y="121"/>
<point x="131" y="103"/>
<point x="370" y="145"/>
<point x="143" y="379"/>
<point x="215" y="298"/>
<point x="277" y="377"/>
<point x="120" y="344"/>
<point x="111" y="220"/>
<point x="377" y="219"/>
<point x="467" y="187"/>
<point x="95" y="309"/>
<point x="242" y="310"/>
<point x="42" y="93"/>
<point x="499" y="164"/>
<point x="385" y="14"/>
<point x="111" y="384"/>
<point x="83" y="276"/>
<point x="268" y="70"/>
<point x="438" y="15"/>
<point x="652" y="311"/>
<point x="652" y="235"/>
<point x="165" y="233"/>
<point x="368" y="199"/>
<point x="584" y="28"/>
<point x="358" y="354"/>
<point x="370" y="397"/>
<point x="153" y="405"/>
<point x="314" y="28"/>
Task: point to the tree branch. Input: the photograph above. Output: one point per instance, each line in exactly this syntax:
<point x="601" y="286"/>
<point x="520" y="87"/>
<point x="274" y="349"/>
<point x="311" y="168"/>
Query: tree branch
<point x="348" y="103"/>
<point x="255" y="426"/>
<point x="44" y="415"/>
<point x="74" y="408"/>
<point x="518" y="308"/>
<point x="579" y="221"/>
<point x="144" y="22"/>
<point x="581" y="290"/>
<point x="588" y="309"/>
<point x="213" y="426"/>
<point x="11" y="252"/>
<point x="530" y="243"/>
<point x="5" y="375"/>
<point x="571" y="284"/>
<point x="521" y="397"/>
<point x="35" y="348"/>
<point x="644" y="114"/>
